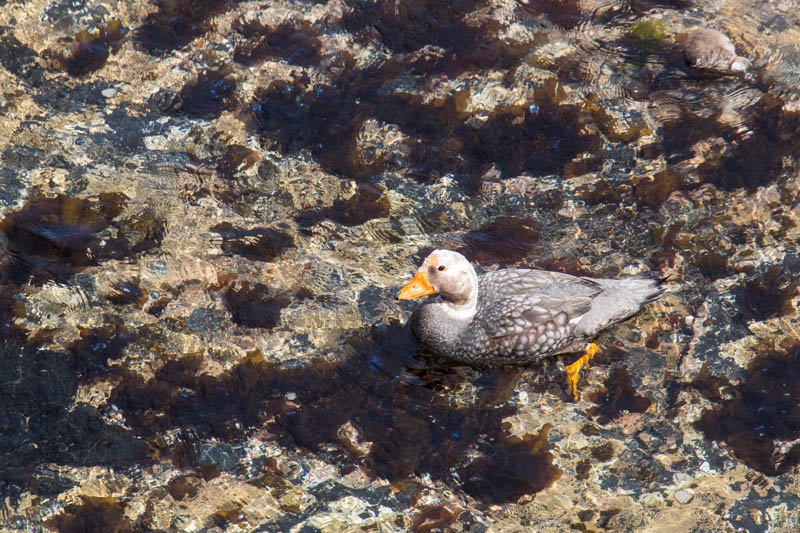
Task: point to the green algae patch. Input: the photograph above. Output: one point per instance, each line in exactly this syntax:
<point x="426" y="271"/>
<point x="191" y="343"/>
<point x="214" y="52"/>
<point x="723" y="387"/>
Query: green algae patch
<point x="649" y="30"/>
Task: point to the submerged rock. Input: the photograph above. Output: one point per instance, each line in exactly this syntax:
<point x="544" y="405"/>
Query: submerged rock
<point x="708" y="49"/>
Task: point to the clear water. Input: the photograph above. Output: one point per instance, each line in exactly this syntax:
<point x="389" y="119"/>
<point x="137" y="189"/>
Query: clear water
<point x="199" y="268"/>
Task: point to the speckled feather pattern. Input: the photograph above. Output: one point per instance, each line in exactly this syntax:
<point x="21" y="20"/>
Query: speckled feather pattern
<point x="524" y="315"/>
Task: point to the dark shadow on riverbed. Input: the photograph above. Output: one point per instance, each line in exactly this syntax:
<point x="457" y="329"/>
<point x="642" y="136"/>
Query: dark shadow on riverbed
<point x="371" y="408"/>
<point x="763" y="413"/>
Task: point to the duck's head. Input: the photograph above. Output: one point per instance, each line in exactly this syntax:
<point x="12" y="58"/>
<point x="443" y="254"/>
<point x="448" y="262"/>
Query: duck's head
<point x="447" y="273"/>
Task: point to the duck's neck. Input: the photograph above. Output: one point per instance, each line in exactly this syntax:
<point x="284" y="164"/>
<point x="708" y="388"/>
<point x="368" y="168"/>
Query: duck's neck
<point x="438" y="324"/>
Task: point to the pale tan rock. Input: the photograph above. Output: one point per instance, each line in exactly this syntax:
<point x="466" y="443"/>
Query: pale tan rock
<point x="709" y="49"/>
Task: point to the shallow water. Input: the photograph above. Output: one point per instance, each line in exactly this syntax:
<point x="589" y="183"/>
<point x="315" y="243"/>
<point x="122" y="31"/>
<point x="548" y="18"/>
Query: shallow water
<point x="208" y="208"/>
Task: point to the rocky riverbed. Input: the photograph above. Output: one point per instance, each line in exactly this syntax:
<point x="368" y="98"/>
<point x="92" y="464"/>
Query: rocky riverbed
<point x="207" y="208"/>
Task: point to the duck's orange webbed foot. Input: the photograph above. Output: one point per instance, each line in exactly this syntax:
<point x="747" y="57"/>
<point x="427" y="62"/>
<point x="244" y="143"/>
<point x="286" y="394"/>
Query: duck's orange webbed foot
<point x="574" y="368"/>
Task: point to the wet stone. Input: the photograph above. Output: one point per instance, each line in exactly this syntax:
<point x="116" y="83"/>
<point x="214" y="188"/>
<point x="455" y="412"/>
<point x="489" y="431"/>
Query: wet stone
<point x="297" y="114"/>
<point x="18" y="59"/>
<point x="254" y="305"/>
<point x="406" y="28"/>
<point x="683" y="496"/>
<point x="126" y="291"/>
<point x="92" y="353"/>
<point x="36" y="404"/>
<point x="23" y="157"/>
<point x="606" y="518"/>
<point x="612" y="125"/>
<point x="176" y="23"/>
<point x="503" y="241"/>
<point x="766" y="294"/>
<point x="653" y="190"/>
<point x="651" y="151"/>
<point x="564" y="14"/>
<point x="368" y="202"/>
<point x="55" y="237"/>
<point x="223" y="456"/>
<point x="157" y="306"/>
<point x="582" y="166"/>
<point x="748" y="161"/>
<point x="699" y="244"/>
<point x="143" y="229"/>
<point x="236" y="158"/>
<point x="166" y="101"/>
<point x="711" y="49"/>
<point x="24" y="395"/>
<point x="603" y="453"/>
<point x="296" y="45"/>
<point x="183" y="487"/>
<point x="88" y="50"/>
<point x="516" y="467"/>
<point x="230" y="515"/>
<point x="94" y="515"/>
<point x="257" y="244"/>
<point x="203" y="321"/>
<point x="602" y="192"/>
<point x="209" y="94"/>
<point x="64" y="14"/>
<point x="48" y="483"/>
<point x="434" y="518"/>
<point x="11" y="185"/>
<point x="619" y="398"/>
<point x="591" y="430"/>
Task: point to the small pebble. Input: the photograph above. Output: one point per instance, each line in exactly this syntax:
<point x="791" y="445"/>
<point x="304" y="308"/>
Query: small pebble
<point x="109" y="92"/>
<point x="683" y="496"/>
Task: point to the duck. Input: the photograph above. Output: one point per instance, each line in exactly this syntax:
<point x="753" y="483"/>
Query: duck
<point x="516" y="316"/>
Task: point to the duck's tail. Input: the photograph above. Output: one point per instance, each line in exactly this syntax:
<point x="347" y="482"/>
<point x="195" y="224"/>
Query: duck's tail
<point x="620" y="299"/>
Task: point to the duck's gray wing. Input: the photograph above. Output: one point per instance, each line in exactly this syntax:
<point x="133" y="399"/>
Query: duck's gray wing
<point x="514" y="282"/>
<point x="534" y="312"/>
<point x="519" y="314"/>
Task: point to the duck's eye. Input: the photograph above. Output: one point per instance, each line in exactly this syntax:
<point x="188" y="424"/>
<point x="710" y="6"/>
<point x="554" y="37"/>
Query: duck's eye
<point x="442" y="268"/>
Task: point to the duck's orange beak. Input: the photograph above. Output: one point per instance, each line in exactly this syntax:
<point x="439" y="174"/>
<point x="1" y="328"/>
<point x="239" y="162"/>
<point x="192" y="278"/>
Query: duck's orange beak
<point x="417" y="287"/>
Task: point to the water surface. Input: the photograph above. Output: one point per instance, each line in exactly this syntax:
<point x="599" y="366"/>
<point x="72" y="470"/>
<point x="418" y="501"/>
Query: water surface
<point x="207" y="209"/>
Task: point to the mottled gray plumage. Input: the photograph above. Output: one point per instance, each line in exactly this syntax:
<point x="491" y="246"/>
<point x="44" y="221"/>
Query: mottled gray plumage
<point x="517" y="315"/>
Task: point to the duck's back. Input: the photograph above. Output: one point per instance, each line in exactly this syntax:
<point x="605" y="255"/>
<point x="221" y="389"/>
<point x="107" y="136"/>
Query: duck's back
<point x="524" y="315"/>
<point x="511" y="282"/>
